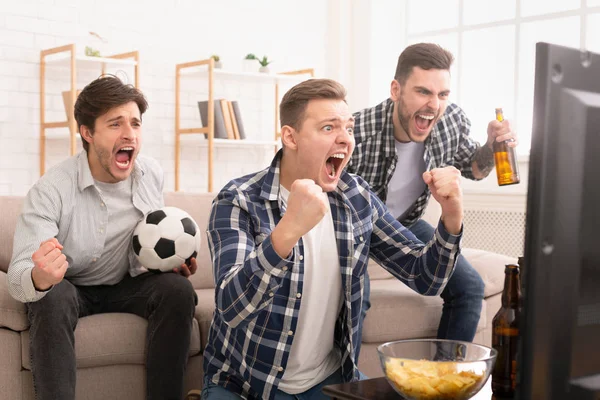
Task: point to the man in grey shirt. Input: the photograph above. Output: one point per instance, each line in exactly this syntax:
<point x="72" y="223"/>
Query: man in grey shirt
<point x="72" y="252"/>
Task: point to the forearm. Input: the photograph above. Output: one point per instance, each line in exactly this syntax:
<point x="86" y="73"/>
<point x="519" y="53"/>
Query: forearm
<point x="425" y="268"/>
<point x="247" y="286"/>
<point x="483" y="161"/>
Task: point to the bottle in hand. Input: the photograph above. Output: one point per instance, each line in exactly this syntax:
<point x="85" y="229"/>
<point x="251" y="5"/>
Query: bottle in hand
<point x="505" y="335"/>
<point x="505" y="158"/>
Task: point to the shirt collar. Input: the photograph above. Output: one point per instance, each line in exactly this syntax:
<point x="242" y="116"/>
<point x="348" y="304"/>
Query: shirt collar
<point x="85" y="178"/>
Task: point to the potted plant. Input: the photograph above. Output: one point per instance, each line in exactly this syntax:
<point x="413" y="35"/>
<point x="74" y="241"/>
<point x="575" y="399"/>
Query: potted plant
<point x="217" y="59"/>
<point x="248" y="63"/>
<point x="264" y="62"/>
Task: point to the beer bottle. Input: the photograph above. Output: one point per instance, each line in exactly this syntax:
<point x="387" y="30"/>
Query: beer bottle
<point x="505" y="158"/>
<point x="505" y="335"/>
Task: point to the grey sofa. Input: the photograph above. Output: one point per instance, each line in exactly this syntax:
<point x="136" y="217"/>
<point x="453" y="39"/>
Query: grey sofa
<point x="110" y="347"/>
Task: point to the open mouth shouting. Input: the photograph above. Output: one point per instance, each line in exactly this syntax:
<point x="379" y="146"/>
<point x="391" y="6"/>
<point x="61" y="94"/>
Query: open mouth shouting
<point x="424" y="122"/>
<point x="334" y="165"/>
<point x="124" y="157"/>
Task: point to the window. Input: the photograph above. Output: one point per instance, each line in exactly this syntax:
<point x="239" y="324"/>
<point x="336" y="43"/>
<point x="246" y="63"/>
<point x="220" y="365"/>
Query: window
<point x="493" y="43"/>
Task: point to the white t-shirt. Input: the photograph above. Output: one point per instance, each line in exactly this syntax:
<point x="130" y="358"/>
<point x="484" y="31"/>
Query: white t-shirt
<point x="407" y="183"/>
<point x="313" y="356"/>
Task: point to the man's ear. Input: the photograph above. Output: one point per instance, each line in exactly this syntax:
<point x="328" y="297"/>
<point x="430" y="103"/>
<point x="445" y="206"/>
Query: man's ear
<point x="86" y="133"/>
<point x="395" y="90"/>
<point x="288" y="137"/>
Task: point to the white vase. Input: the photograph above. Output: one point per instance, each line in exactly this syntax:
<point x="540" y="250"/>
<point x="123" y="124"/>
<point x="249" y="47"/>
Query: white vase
<point x="264" y="70"/>
<point x="249" y="65"/>
<point x="218" y="64"/>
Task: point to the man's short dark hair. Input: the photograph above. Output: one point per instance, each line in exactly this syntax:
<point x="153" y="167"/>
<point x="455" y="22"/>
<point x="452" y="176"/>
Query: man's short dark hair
<point x="100" y="96"/>
<point x="423" y="55"/>
<point x="294" y="102"/>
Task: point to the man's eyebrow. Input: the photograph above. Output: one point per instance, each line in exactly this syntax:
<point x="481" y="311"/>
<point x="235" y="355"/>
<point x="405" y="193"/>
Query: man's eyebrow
<point x="422" y="88"/>
<point x="334" y="119"/>
<point x="118" y="117"/>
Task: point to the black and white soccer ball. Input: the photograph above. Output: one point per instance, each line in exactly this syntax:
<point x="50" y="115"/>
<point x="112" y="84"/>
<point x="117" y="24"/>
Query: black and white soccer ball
<point x="165" y="239"/>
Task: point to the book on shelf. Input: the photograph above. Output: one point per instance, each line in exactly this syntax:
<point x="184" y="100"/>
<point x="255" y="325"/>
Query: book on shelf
<point x="238" y="119"/>
<point x="219" y="122"/>
<point x="236" y="132"/>
<point x="227" y="119"/>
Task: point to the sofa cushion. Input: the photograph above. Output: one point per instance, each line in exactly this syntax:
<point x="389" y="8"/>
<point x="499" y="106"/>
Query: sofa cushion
<point x="13" y="313"/>
<point x="204" y="312"/>
<point x="10" y="348"/>
<point x="397" y="312"/>
<point x="198" y="205"/>
<point x="110" y="339"/>
<point x="11" y="208"/>
<point x="490" y="267"/>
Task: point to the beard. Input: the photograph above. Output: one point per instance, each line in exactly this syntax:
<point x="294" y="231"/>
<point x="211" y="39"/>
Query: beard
<point x="404" y="118"/>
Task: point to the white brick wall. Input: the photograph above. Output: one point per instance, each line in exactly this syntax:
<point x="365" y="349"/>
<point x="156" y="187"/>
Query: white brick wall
<point x="291" y="32"/>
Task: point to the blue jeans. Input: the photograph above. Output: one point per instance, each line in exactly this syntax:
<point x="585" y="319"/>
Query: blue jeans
<point x="463" y="296"/>
<point x="211" y="391"/>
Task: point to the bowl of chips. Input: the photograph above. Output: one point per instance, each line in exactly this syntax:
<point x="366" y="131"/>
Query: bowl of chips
<point x="433" y="369"/>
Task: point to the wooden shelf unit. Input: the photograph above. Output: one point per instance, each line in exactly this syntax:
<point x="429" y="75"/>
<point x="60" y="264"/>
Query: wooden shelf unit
<point x="210" y="72"/>
<point x="67" y="56"/>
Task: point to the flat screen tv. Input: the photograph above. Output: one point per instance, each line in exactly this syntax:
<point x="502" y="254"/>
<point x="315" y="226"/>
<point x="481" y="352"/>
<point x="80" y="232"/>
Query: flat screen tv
<point x="559" y="353"/>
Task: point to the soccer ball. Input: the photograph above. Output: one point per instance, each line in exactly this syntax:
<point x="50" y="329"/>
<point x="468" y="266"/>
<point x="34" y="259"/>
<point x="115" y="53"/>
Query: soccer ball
<point x="165" y="239"/>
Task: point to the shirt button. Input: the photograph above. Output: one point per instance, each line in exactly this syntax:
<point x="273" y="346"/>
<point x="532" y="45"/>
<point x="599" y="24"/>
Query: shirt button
<point x="270" y="294"/>
<point x="301" y="258"/>
<point x="284" y="268"/>
<point x="360" y="238"/>
<point x="94" y="259"/>
<point x="102" y="204"/>
<point x="101" y="230"/>
<point x="280" y="369"/>
<point x="290" y="333"/>
<point x="298" y="295"/>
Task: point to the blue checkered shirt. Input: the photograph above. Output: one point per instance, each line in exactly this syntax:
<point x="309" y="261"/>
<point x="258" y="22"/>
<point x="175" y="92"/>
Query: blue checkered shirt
<point x="375" y="158"/>
<point x="258" y="293"/>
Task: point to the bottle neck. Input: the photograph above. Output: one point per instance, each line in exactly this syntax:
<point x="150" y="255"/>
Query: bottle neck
<point x="511" y="295"/>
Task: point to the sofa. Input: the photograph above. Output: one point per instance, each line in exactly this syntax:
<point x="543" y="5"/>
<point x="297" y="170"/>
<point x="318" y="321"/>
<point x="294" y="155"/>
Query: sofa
<point x="110" y="347"/>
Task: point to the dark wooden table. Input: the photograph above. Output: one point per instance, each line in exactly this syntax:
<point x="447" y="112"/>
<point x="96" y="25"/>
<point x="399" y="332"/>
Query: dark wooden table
<point x="369" y="389"/>
<point x="380" y="389"/>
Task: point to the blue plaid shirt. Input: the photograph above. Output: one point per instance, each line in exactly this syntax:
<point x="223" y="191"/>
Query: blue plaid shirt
<point x="258" y="293"/>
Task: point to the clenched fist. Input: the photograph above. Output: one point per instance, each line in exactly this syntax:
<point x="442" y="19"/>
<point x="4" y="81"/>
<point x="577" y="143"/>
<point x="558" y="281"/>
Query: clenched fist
<point x="444" y="184"/>
<point x="306" y="207"/>
<point x="49" y="265"/>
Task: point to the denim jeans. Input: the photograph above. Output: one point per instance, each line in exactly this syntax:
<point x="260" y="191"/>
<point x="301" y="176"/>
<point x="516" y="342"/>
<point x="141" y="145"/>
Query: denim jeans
<point x="463" y="296"/>
<point x="211" y="391"/>
<point x="166" y="300"/>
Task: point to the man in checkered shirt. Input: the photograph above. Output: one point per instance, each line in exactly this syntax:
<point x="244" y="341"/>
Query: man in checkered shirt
<point x="290" y="246"/>
<point x="413" y="131"/>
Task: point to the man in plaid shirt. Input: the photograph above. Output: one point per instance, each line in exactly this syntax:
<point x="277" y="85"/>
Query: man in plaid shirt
<point x="414" y="131"/>
<point x="290" y="246"/>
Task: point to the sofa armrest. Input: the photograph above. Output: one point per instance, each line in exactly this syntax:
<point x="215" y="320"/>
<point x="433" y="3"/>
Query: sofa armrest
<point x="13" y="313"/>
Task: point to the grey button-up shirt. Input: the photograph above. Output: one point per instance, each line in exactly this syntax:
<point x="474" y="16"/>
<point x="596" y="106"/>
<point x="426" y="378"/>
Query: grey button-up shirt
<point x="65" y="204"/>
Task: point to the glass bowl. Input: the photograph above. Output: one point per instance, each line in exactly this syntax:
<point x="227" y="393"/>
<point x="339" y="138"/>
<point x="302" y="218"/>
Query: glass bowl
<point x="433" y="369"/>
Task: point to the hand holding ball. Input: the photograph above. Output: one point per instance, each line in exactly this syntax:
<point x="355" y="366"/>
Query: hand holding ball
<point x="165" y="239"/>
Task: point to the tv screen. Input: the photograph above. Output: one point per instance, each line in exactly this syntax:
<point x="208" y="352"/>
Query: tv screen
<point x="559" y="355"/>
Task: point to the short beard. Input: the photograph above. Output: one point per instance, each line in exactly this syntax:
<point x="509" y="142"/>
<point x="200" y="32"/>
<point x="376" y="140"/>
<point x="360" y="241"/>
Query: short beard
<point x="404" y="119"/>
<point x="104" y="159"/>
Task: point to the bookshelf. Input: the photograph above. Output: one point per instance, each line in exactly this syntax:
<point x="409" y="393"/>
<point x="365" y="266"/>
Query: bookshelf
<point x="205" y="70"/>
<point x="66" y="56"/>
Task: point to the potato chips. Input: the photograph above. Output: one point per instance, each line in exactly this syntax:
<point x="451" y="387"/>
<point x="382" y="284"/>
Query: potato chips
<point x="432" y="380"/>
